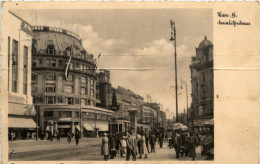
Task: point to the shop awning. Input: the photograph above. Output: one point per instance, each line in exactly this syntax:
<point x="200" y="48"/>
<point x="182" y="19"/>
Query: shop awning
<point x="77" y="126"/>
<point x="200" y="122"/>
<point x="88" y="127"/>
<point x="102" y="126"/>
<point x="21" y="123"/>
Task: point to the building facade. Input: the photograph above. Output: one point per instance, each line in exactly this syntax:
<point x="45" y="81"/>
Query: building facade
<point x="16" y="42"/>
<point x="63" y="94"/>
<point x="202" y="84"/>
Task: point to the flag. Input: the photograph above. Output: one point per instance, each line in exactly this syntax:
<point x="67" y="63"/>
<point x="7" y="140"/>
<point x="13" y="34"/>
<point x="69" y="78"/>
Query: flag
<point x="68" y="64"/>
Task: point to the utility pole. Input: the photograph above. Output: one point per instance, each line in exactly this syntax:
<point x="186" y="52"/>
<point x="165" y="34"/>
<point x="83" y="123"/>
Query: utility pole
<point x="173" y="38"/>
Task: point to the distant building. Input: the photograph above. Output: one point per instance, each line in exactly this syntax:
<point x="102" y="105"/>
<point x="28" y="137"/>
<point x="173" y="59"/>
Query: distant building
<point x="61" y="96"/>
<point x="17" y="40"/>
<point x="202" y="107"/>
<point x="160" y="118"/>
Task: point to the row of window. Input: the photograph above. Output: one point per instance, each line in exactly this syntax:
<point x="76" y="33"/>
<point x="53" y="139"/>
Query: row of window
<point x="52" y="77"/>
<point x="68" y="114"/>
<point x="13" y="60"/>
<point x="81" y="54"/>
<point x="61" y="63"/>
<point x="61" y="99"/>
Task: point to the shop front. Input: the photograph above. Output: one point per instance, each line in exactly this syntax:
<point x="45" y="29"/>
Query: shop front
<point x="199" y="125"/>
<point x="21" y="128"/>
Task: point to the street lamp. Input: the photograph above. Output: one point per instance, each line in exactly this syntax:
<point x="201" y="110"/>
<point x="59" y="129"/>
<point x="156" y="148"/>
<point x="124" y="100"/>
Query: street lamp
<point x="173" y="38"/>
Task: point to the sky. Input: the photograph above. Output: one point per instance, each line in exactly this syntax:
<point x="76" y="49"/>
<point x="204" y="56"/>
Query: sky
<point x="135" y="45"/>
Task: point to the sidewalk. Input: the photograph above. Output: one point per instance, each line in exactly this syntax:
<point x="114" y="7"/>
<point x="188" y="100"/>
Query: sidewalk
<point x="33" y="145"/>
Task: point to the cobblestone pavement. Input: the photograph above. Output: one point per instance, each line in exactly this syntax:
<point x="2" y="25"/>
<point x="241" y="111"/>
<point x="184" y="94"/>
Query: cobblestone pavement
<point x="88" y="149"/>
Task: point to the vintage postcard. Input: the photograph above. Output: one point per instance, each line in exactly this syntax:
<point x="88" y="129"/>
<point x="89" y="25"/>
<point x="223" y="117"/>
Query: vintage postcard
<point x="168" y="82"/>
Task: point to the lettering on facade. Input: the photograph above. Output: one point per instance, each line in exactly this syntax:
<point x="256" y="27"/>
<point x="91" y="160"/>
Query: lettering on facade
<point x="55" y="29"/>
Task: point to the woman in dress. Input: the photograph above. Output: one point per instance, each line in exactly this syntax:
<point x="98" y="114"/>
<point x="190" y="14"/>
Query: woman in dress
<point x="105" y="147"/>
<point x="143" y="148"/>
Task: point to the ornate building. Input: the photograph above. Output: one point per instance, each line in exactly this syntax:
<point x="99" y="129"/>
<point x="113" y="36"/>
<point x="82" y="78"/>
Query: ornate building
<point x="202" y="84"/>
<point x="63" y="97"/>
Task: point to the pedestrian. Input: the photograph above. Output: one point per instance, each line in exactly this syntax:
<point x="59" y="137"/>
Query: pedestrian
<point x="123" y="146"/>
<point x="147" y="142"/>
<point x="117" y="138"/>
<point x="112" y="144"/>
<point x="186" y="143"/>
<point x="105" y="147"/>
<point x="77" y="136"/>
<point x="177" y="144"/>
<point x="192" y="146"/>
<point x="51" y="136"/>
<point x="152" y="142"/>
<point x="58" y="136"/>
<point x="130" y="146"/>
<point x="143" y="148"/>
<point x="166" y="137"/>
<point x="69" y="137"/>
<point x="161" y="139"/>
<point x="138" y="139"/>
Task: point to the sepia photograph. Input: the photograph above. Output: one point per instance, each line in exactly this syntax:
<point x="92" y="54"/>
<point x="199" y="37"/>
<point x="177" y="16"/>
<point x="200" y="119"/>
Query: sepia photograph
<point x="110" y="84"/>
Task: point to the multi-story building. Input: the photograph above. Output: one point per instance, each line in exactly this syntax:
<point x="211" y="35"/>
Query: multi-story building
<point x="160" y="118"/>
<point x="202" y="84"/>
<point x="16" y="43"/>
<point x="64" y="94"/>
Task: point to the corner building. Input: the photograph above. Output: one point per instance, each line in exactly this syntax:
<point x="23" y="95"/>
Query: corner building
<point x="16" y="42"/>
<point x="61" y="102"/>
<point x="202" y="85"/>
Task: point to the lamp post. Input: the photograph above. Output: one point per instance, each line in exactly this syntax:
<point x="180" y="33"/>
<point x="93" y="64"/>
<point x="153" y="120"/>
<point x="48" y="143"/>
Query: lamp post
<point x="173" y="38"/>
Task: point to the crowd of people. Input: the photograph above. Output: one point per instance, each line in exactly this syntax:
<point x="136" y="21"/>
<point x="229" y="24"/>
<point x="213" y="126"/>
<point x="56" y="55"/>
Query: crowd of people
<point x="185" y="144"/>
<point x="130" y="145"/>
<point x="141" y="144"/>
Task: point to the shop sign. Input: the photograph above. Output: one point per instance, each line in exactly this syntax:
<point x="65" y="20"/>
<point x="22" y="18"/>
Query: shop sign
<point x="26" y="28"/>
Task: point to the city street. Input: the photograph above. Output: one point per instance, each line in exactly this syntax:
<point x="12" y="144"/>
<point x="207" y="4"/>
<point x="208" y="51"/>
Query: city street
<point x="88" y="149"/>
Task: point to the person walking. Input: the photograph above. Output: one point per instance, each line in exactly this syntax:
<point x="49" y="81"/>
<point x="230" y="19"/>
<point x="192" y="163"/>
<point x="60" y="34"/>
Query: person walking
<point x="138" y="139"/>
<point x="77" y="136"/>
<point x="58" y="136"/>
<point x="69" y="137"/>
<point x="147" y="142"/>
<point x="161" y="139"/>
<point x="177" y="144"/>
<point x="143" y="148"/>
<point x="152" y="142"/>
<point x="105" y="147"/>
<point x="123" y="146"/>
<point x="166" y="136"/>
<point x="112" y="146"/>
<point x="192" y="146"/>
<point x="130" y="146"/>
